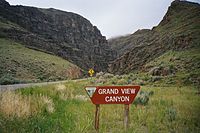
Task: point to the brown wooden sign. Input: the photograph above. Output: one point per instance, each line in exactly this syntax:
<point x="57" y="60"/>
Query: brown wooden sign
<point x="112" y="94"/>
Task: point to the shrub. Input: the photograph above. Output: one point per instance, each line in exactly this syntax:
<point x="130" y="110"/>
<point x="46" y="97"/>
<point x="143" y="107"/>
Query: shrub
<point x="171" y="114"/>
<point x="108" y="75"/>
<point x="8" y="79"/>
<point x="143" y="98"/>
<point x="155" y="78"/>
<point x="100" y="81"/>
<point x="118" y="76"/>
<point x="122" y="82"/>
<point x="138" y="82"/>
<point x="98" y="75"/>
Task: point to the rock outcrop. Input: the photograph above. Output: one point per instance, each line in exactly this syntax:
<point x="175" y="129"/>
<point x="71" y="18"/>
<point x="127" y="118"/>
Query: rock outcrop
<point x="179" y="30"/>
<point x="65" y="34"/>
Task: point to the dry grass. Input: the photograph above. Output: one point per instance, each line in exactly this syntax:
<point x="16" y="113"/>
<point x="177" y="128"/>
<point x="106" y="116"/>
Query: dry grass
<point x="81" y="97"/>
<point x="67" y="93"/>
<point x="74" y="72"/>
<point x="14" y="104"/>
<point x="63" y="92"/>
<point x="48" y="103"/>
<point x="60" y="87"/>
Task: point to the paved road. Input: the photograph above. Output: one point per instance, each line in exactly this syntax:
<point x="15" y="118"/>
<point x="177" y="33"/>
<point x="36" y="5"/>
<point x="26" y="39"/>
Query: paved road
<point x="18" y="86"/>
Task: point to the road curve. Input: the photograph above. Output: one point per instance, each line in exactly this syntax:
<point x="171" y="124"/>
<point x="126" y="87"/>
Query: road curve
<point x="17" y="86"/>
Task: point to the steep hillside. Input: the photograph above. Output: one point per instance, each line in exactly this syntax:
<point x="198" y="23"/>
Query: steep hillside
<point x="123" y="44"/>
<point x="176" y="67"/>
<point x="178" y="31"/>
<point x="21" y="65"/>
<point x="65" y="34"/>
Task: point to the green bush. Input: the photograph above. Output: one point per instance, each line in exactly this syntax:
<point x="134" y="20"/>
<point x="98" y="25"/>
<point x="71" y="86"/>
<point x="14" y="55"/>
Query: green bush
<point x="8" y="79"/>
<point x="122" y="82"/>
<point x="108" y="75"/>
<point x="143" y="98"/>
<point x="171" y="114"/>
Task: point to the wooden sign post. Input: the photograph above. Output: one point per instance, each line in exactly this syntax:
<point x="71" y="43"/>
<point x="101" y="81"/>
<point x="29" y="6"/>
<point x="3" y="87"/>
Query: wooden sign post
<point x="126" y="116"/>
<point x="112" y="95"/>
<point x="97" y="114"/>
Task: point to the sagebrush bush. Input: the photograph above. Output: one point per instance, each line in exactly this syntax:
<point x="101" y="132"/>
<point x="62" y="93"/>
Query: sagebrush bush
<point x="8" y="79"/>
<point x="108" y="75"/>
<point x="171" y="114"/>
<point x="143" y="98"/>
<point x="122" y="82"/>
<point x="98" y="75"/>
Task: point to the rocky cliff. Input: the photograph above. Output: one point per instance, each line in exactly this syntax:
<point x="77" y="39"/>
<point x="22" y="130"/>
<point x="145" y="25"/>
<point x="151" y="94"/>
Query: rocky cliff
<point x="179" y="30"/>
<point x="65" y="34"/>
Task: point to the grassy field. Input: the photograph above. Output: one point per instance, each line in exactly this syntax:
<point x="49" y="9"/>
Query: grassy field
<point x="67" y="108"/>
<point x="20" y="64"/>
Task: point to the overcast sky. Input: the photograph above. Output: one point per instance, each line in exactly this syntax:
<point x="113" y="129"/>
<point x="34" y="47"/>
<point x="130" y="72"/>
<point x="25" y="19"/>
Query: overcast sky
<point x="112" y="17"/>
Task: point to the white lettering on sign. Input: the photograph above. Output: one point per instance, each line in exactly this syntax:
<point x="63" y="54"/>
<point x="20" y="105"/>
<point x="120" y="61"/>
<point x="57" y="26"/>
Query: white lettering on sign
<point x="128" y="91"/>
<point x="117" y="98"/>
<point x="108" y="91"/>
<point x="116" y="91"/>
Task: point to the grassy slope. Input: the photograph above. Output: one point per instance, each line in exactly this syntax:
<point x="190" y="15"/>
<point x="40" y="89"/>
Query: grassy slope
<point x="125" y="43"/>
<point x="186" y="64"/>
<point x="20" y="64"/>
